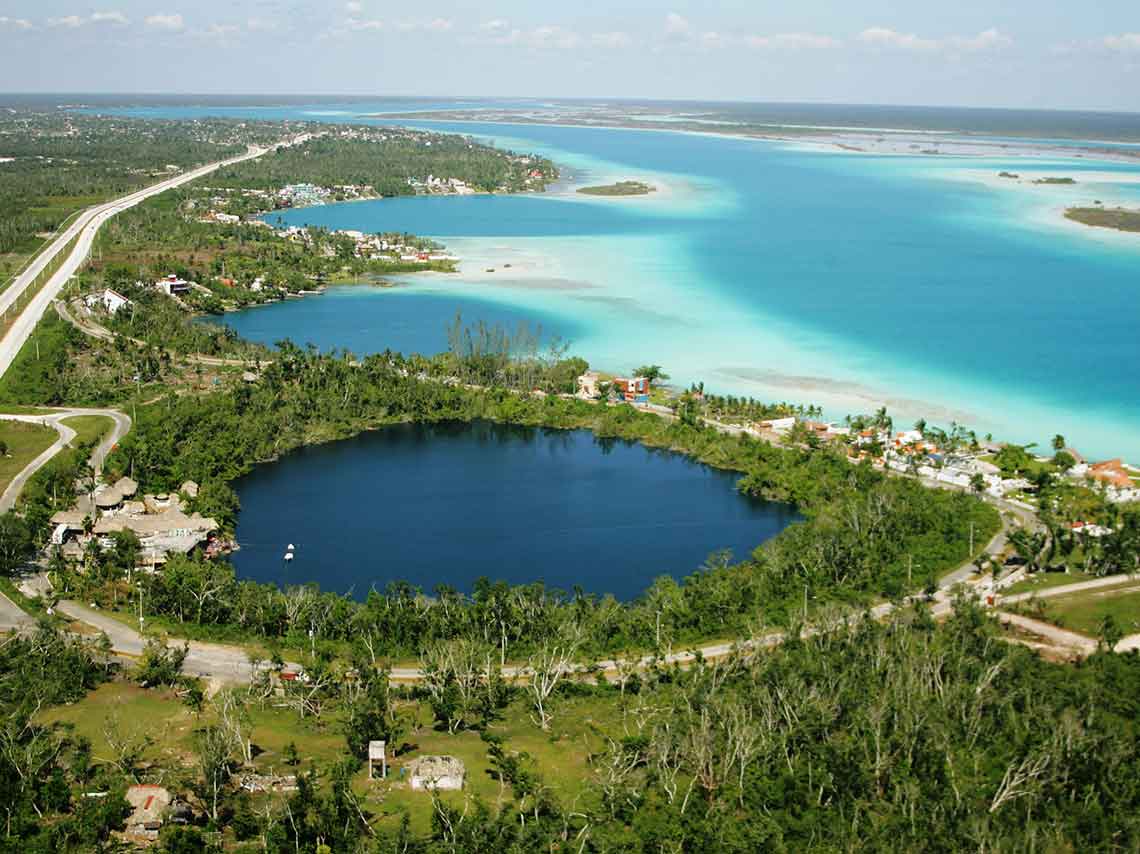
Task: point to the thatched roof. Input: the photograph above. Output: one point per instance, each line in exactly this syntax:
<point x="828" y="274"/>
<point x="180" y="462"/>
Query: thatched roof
<point x="126" y="487"/>
<point x="170" y="521"/>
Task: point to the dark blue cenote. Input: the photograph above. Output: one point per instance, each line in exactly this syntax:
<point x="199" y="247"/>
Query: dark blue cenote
<point x="450" y="503"/>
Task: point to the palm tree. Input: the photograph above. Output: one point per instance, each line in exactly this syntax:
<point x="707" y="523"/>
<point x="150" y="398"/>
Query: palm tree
<point x="1058" y="442"/>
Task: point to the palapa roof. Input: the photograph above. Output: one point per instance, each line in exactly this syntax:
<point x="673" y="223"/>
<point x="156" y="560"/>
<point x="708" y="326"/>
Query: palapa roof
<point x="126" y="487"/>
<point x="109" y="497"/>
<point x="71" y="518"/>
<point x="170" y="521"/>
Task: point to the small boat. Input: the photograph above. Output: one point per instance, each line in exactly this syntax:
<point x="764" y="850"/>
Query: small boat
<point x="288" y="555"/>
<point x="290" y="547"/>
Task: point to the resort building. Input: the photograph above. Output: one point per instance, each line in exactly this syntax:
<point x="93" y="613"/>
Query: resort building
<point x="633" y="389"/>
<point x="1113" y="473"/>
<point x="159" y="521"/>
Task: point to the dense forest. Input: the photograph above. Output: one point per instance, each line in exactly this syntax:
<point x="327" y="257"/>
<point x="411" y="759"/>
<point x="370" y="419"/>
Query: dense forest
<point x="62" y="162"/>
<point x="902" y="736"/>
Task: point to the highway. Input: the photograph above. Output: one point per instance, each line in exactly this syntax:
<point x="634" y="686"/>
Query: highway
<point x="85" y="227"/>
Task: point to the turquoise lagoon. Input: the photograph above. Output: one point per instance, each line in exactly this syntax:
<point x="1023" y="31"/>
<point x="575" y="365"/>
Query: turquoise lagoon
<point x="789" y="272"/>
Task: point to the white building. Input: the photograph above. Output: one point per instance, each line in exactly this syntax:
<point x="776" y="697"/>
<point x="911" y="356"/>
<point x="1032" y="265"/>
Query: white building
<point x="111" y="300"/>
<point x="172" y="285"/>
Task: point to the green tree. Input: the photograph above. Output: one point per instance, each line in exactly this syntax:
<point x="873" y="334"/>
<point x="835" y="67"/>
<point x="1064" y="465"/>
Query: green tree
<point x="653" y="373"/>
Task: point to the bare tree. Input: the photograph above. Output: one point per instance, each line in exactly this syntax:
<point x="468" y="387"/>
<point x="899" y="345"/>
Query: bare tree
<point x="548" y="666"/>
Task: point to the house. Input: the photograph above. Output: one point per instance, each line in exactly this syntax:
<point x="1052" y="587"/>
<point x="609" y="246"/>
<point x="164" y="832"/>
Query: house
<point x="1113" y="473"/>
<point x="111" y="300"/>
<point x="437" y="772"/>
<point x="633" y="388"/>
<point x="172" y="285"/>
<point x="588" y="385"/>
<point x="149" y="807"/>
<point x="778" y="425"/>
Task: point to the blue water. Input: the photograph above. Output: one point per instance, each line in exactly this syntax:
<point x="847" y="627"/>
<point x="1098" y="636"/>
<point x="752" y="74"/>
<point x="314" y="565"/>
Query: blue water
<point x="365" y="319"/>
<point x="816" y="276"/>
<point x="449" y="503"/>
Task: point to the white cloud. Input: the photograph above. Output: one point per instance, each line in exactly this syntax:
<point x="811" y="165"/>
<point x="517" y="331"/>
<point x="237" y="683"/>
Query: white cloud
<point x="15" y="23"/>
<point x="172" y="22"/>
<point x="883" y="37"/>
<point x="545" y="37"/>
<point x="363" y="26"/>
<point x="1123" y="42"/>
<point x="986" y="40"/>
<point x="117" y="18"/>
<point x="222" y="31"/>
<point x="435" y="25"/>
<point x="676" y="25"/>
<point x="792" y="41"/>
<point x="613" y="40"/>
<point x="712" y="40"/>
<point x="260" y="25"/>
<point x="989" y="39"/>
<point x="551" y="37"/>
<point x="353" y="7"/>
<point x="68" y="21"/>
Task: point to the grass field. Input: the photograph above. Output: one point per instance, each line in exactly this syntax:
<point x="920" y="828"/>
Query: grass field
<point x="170" y="728"/>
<point x="25" y="442"/>
<point x="89" y="428"/>
<point x="1083" y="612"/>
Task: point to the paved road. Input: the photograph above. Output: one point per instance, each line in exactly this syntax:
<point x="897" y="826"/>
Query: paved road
<point x="85" y="227"/>
<point x="206" y="660"/>
<point x="12" y="617"/>
<point x="1068" y="589"/>
<point x="1058" y="638"/>
<point x="54" y="418"/>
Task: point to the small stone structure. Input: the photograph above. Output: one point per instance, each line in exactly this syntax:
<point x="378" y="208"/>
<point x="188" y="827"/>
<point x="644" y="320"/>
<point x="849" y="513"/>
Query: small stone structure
<point x="149" y="807"/>
<point x="437" y="772"/>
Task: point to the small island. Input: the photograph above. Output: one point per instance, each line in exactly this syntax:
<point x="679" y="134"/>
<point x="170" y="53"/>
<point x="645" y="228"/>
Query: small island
<point x="621" y="188"/>
<point x="1120" y="219"/>
<point x="1054" y="181"/>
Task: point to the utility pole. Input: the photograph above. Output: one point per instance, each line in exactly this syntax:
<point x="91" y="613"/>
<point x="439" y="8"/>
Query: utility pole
<point x="971" y="539"/>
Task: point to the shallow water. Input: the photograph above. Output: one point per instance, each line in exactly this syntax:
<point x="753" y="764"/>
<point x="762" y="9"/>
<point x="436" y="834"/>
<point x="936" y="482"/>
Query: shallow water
<point x="848" y="280"/>
<point x="449" y="503"/>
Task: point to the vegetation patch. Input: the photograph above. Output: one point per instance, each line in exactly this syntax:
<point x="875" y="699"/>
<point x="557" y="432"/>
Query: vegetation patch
<point x="621" y="188"/>
<point x="1120" y="219"/>
<point x="20" y="443"/>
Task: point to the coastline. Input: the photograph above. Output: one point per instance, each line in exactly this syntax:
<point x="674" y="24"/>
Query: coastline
<point x="846" y="375"/>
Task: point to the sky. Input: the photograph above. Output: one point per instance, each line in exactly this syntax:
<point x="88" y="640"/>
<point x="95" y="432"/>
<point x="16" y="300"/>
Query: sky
<point x="1015" y="53"/>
